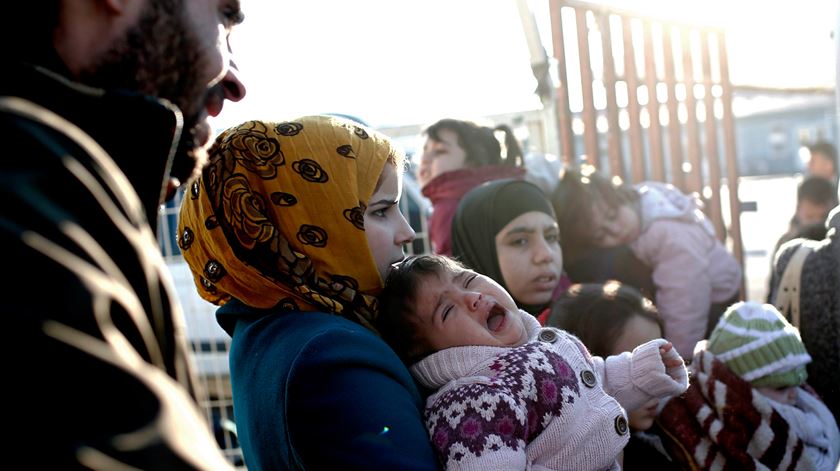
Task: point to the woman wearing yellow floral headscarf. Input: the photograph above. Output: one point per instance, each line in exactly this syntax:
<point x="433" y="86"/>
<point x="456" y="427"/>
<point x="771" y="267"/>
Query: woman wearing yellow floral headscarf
<point x="291" y="229"/>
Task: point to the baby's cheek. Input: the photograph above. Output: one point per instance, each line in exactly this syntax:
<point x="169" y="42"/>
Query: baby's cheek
<point x="785" y="395"/>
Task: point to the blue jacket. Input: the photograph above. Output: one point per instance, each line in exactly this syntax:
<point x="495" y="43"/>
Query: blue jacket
<point x="317" y="391"/>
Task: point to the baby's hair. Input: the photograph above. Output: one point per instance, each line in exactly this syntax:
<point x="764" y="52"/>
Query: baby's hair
<point x="597" y="313"/>
<point x="397" y="321"/>
<point x="573" y="199"/>
<point x="480" y="145"/>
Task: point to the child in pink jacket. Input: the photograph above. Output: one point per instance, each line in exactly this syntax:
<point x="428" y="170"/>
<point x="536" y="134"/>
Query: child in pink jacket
<point x="695" y="276"/>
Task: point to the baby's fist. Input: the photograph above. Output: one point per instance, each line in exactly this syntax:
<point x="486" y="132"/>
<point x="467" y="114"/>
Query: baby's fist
<point x="674" y="364"/>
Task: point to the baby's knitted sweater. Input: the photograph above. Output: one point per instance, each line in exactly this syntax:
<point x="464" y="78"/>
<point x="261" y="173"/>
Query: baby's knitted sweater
<point x="546" y="405"/>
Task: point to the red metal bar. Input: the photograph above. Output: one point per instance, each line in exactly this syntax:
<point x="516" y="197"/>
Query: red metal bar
<point x="590" y="135"/>
<point x="731" y="160"/>
<point x="637" y="157"/>
<point x="712" y="154"/>
<point x="564" y="115"/>
<point x="657" y="169"/>
<point x="694" y="178"/>
<point x="674" y="135"/>
<point x="614" y="131"/>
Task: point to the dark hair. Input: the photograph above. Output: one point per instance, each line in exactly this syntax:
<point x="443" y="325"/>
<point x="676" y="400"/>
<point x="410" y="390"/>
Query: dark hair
<point x="826" y="149"/>
<point x="573" y="199"/>
<point x="481" y="147"/>
<point x="397" y="320"/>
<point x="597" y="313"/>
<point x="817" y="190"/>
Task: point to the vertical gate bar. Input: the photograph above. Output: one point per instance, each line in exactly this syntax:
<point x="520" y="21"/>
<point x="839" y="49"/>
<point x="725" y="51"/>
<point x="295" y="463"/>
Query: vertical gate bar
<point x="564" y="114"/>
<point x="632" y="79"/>
<point x="694" y="181"/>
<point x="731" y="159"/>
<point x="712" y="154"/>
<point x="590" y="130"/>
<point x="674" y="131"/>
<point x="657" y="169"/>
<point x="614" y="131"/>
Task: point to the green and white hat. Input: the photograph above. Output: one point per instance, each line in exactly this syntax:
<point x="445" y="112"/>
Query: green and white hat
<point x="758" y="344"/>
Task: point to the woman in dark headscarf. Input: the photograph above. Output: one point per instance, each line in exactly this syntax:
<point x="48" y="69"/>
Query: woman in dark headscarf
<point x="506" y="230"/>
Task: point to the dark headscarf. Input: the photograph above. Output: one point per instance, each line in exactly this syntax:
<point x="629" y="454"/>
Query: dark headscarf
<point x="483" y="213"/>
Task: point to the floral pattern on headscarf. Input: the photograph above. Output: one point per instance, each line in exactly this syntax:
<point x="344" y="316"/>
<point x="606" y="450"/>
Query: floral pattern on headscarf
<point x="276" y="218"/>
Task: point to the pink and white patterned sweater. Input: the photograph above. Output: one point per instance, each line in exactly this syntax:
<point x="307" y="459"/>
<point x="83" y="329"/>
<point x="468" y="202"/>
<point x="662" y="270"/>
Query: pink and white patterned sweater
<point x="546" y="405"/>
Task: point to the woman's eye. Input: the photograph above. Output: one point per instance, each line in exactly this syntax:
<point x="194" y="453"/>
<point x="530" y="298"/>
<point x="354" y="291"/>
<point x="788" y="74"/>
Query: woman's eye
<point x="552" y="237"/>
<point x="519" y="242"/>
<point x="381" y="212"/>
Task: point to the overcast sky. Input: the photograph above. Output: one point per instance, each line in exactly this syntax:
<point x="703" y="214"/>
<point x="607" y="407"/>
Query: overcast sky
<point x="394" y="62"/>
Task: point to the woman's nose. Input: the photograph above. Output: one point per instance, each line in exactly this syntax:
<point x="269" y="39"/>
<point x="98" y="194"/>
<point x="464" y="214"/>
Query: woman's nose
<point x="405" y="233"/>
<point x="543" y="251"/>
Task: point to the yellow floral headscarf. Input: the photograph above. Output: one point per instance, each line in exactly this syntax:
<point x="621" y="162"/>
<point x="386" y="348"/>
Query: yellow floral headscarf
<point x="276" y="218"/>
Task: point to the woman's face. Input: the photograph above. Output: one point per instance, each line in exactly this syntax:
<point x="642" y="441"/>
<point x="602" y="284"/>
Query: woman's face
<point x="636" y="331"/>
<point x="440" y="156"/>
<point x="386" y="229"/>
<point x="530" y="258"/>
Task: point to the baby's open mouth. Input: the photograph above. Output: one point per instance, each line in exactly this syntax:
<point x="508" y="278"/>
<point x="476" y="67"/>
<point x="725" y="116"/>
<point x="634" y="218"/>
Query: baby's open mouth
<point x="496" y="318"/>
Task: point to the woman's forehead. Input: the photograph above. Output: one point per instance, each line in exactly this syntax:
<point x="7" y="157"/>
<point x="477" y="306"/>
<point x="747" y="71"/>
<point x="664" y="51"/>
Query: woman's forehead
<point x="532" y="221"/>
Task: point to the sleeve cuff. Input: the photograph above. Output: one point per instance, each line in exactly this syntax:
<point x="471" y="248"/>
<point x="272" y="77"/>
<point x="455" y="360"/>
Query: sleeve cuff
<point x="648" y="371"/>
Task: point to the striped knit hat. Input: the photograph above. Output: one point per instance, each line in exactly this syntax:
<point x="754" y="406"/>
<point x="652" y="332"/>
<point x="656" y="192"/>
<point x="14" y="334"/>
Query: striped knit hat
<point x="759" y="345"/>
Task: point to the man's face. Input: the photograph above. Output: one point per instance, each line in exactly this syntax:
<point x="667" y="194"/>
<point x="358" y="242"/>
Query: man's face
<point x="809" y="212"/>
<point x="178" y="50"/>
<point x="822" y="166"/>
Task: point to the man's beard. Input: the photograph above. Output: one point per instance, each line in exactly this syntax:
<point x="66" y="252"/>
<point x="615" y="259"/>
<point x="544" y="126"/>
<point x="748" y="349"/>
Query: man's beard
<point x="161" y="57"/>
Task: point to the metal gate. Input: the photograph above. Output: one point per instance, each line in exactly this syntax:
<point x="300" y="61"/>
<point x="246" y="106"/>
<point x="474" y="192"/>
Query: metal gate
<point x="643" y="99"/>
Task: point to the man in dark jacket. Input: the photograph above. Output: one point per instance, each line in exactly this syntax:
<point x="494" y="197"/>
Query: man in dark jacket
<point x="103" y="109"/>
<point x="819" y="306"/>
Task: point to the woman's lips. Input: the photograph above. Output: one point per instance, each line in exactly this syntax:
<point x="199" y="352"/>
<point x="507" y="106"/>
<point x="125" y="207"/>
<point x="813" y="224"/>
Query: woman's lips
<point x="546" y="282"/>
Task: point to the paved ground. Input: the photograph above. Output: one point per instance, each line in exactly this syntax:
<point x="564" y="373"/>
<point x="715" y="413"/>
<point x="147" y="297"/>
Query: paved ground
<point x="775" y="203"/>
